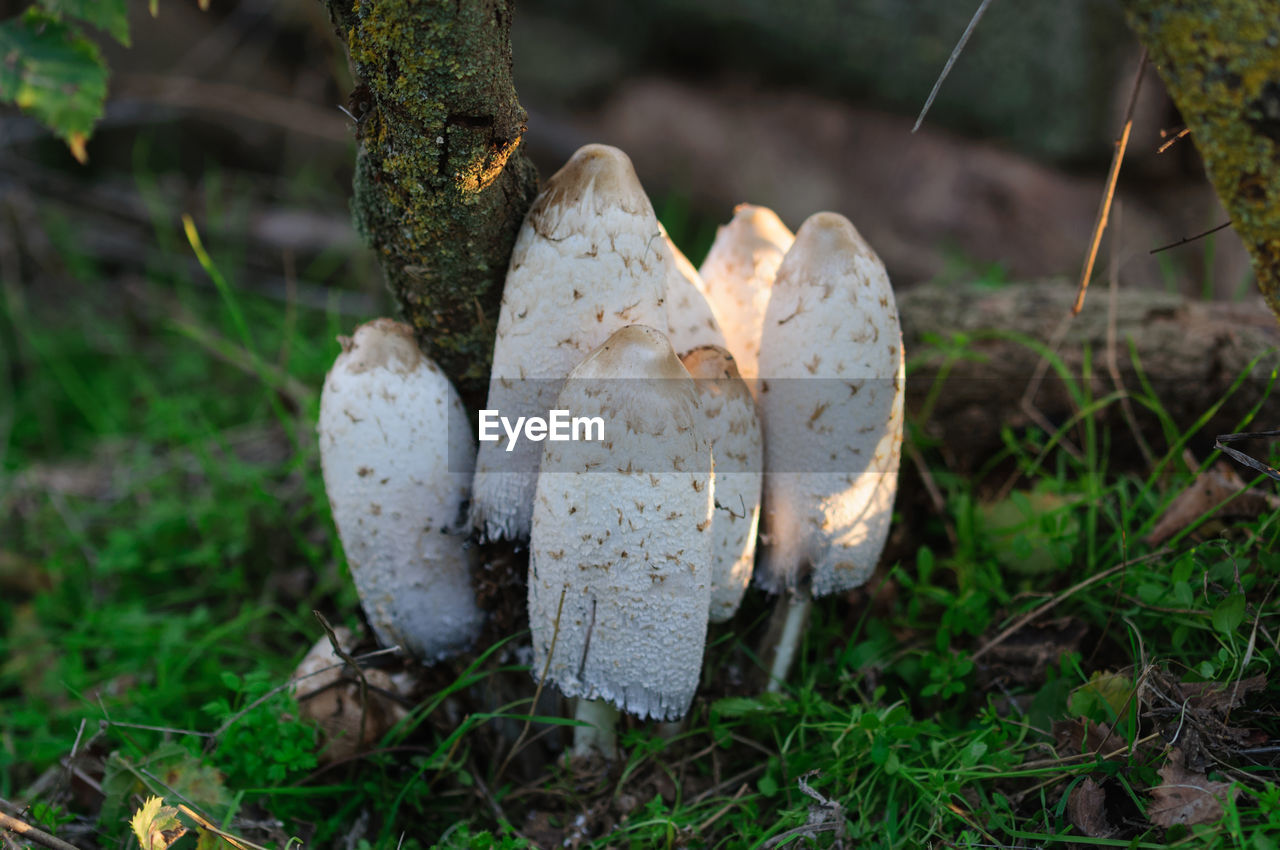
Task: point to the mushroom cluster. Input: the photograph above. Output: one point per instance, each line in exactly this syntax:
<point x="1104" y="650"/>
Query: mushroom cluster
<point x="755" y="403"/>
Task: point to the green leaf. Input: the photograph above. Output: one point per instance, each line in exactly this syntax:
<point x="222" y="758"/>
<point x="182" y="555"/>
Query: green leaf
<point x="152" y="821"/>
<point x="1229" y="613"/>
<point x="54" y="73"/>
<point x="112" y="16"/>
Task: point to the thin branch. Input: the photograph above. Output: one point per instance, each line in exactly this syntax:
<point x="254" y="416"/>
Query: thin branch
<point x="1100" y="224"/>
<point x="29" y="832"/>
<point x="1031" y="615"/>
<point x="1184" y="240"/>
<point x="951" y="60"/>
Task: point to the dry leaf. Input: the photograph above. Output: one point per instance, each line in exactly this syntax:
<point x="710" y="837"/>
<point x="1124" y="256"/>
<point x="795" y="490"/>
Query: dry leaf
<point x="1186" y="798"/>
<point x="1219" y="697"/>
<point x="1086" y="809"/>
<point x="1215" y="485"/>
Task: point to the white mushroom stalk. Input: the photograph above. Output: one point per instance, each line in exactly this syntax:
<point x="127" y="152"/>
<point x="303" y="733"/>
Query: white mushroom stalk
<point x="587" y="261"/>
<point x="738" y="275"/>
<point x="831" y="395"/>
<point x="397" y="453"/>
<point x="692" y="321"/>
<point x="729" y="413"/>
<point x="620" y="556"/>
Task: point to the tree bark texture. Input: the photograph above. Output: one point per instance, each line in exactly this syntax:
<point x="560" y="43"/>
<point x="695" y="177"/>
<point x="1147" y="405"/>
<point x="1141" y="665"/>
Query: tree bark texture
<point x="1190" y="352"/>
<point x="442" y="181"/>
<point x="1220" y="60"/>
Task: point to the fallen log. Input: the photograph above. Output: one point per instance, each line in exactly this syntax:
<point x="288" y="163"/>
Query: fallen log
<point x="979" y="347"/>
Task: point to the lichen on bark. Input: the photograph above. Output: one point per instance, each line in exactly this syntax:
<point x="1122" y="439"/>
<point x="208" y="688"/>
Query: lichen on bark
<point x="442" y="182"/>
<point x="1220" y="60"/>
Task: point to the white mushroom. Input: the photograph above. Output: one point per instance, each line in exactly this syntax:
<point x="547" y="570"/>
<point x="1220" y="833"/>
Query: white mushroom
<point x="831" y="394"/>
<point x="737" y="277"/>
<point x="736" y="450"/>
<point x="587" y="261"/>
<point x="619" y="568"/>
<point x="692" y="321"/>
<point x="397" y="453"/>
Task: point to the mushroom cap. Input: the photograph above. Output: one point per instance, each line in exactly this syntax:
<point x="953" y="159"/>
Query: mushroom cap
<point x="622" y="534"/>
<point x="586" y="262"/>
<point x="729" y="414"/>
<point x="831" y="392"/>
<point x="397" y="453"/>
<point x="692" y="321"/>
<point x="737" y="277"/>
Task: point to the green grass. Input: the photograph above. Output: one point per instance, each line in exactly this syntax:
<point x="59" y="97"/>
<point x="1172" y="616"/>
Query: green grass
<point x="164" y="537"/>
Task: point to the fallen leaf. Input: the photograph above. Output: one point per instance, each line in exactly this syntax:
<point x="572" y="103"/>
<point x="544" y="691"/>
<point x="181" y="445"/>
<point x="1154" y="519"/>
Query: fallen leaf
<point x="1186" y="798"/>
<point x="1215" y="485"/>
<point x="1220" y="697"/>
<point x="1086" y="809"/>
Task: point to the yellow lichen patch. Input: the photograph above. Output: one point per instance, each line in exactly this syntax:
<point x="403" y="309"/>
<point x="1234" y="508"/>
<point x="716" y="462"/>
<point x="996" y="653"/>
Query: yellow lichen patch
<point x="1220" y="60"/>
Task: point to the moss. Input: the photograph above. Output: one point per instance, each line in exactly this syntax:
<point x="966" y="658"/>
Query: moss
<point x="1220" y="60"/>
<point x="442" y="182"/>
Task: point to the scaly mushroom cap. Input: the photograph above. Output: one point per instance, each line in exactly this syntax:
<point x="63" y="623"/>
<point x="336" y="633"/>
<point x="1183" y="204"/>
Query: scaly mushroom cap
<point x="622" y="532"/>
<point x="831" y="390"/>
<point x="584" y="264"/>
<point x="733" y="427"/>
<point x="397" y="453"/>
<point x="692" y="321"/>
<point x="737" y="277"/>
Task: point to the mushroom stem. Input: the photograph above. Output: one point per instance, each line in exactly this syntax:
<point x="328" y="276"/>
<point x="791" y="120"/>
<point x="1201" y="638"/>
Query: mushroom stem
<point x="782" y="640"/>
<point x="599" y="738"/>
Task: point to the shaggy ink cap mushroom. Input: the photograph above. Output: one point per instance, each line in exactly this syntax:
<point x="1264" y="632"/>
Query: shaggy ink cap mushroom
<point x="831" y="393"/>
<point x="587" y="261"/>
<point x="397" y="453"/>
<point x="733" y="427"/>
<point x="692" y="320"/>
<point x="738" y="275"/>
<point x="622" y="532"/>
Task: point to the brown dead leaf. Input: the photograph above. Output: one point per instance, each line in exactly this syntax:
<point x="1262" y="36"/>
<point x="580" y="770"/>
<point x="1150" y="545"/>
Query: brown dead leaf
<point x="1086" y="809"/>
<point x="1083" y="736"/>
<point x="1217" y="484"/>
<point x="1185" y="797"/>
<point x="1215" y="696"/>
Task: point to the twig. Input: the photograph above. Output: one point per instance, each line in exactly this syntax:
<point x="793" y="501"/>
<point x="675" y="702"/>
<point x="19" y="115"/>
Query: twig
<point x="340" y="651"/>
<point x="1220" y="443"/>
<point x="537" y="692"/>
<point x="1126" y="405"/>
<point x="1104" y="208"/>
<point x="1185" y="131"/>
<point x="951" y="60"/>
<point x="1056" y="600"/>
<point x="26" y="830"/>
<point x="1184" y="240"/>
<point x="935" y="494"/>
<point x="724" y="809"/>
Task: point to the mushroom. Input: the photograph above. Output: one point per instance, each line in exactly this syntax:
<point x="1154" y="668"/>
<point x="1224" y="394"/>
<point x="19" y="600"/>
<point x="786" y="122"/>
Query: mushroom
<point x="737" y="276"/>
<point x="585" y="263"/>
<point x="397" y="454"/>
<point x="736" y="448"/>
<point x="831" y="394"/>
<point x="620" y="555"/>
<point x="330" y="698"/>
<point x="692" y="321"/>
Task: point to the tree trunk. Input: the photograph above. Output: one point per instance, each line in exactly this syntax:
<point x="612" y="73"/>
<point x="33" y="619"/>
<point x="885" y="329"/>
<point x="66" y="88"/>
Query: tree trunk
<point x="442" y="182"/>
<point x="1190" y="353"/>
<point x="1220" y="60"/>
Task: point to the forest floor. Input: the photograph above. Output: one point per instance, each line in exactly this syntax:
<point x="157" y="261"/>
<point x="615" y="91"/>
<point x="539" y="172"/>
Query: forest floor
<point x="1072" y="645"/>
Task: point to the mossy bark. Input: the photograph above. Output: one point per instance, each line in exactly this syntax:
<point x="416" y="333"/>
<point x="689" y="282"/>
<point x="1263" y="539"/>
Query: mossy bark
<point x="1220" y="60"/>
<point x="442" y="182"/>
